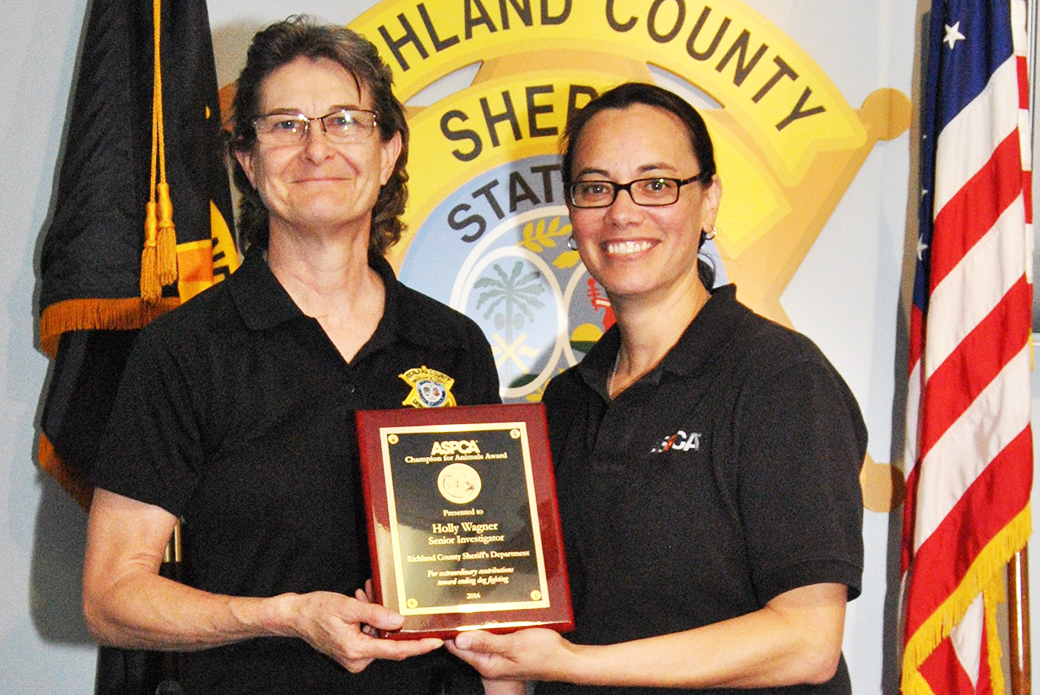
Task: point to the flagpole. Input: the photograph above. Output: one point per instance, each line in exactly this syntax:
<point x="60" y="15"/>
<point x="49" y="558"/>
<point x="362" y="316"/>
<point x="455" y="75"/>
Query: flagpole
<point x="1018" y="568"/>
<point x="172" y="568"/>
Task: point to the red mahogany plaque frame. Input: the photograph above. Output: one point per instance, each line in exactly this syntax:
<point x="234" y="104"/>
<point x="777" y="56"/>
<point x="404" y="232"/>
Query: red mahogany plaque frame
<point x="463" y="524"/>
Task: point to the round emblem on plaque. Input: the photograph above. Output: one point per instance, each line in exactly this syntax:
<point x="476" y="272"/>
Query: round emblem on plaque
<point x="459" y="483"/>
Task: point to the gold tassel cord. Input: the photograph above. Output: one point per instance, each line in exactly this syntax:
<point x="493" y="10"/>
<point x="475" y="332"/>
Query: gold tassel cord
<point x="166" y="240"/>
<point x="151" y="290"/>
<point x="159" y="255"/>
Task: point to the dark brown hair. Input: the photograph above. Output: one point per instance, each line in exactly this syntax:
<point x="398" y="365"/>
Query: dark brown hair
<point x="280" y="44"/>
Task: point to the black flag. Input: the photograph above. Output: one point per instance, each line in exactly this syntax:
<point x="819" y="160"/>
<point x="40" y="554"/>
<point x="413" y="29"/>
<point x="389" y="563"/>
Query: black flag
<point x="143" y="135"/>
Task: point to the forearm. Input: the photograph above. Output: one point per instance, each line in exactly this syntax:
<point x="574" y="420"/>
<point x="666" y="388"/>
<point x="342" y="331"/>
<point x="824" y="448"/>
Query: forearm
<point x="796" y="638"/>
<point x="150" y="612"/>
<point x="758" y="650"/>
<point x="127" y="604"/>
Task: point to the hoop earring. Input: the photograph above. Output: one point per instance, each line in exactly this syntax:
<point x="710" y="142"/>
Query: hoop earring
<point x="572" y="244"/>
<point x="711" y="235"/>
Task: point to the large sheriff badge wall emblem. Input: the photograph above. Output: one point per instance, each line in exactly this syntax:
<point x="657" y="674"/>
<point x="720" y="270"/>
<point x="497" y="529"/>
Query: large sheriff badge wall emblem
<point x="488" y="227"/>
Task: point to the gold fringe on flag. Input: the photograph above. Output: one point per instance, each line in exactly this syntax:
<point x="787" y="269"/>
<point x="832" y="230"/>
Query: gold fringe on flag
<point x="90" y="314"/>
<point x="980" y="576"/>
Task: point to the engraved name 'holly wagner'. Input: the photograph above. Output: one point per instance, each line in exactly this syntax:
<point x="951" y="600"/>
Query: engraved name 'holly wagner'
<point x="462" y="532"/>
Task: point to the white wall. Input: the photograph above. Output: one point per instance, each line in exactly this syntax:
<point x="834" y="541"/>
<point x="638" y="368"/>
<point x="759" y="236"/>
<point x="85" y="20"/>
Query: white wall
<point x="42" y="638"/>
<point x="846" y="296"/>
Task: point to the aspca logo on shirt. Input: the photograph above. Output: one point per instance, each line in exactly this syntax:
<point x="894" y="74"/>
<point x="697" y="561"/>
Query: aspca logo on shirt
<point x="430" y="388"/>
<point x="680" y="441"/>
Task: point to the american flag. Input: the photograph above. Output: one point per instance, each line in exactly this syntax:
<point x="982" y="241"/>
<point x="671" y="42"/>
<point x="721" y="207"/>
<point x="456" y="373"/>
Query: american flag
<point x="969" y="452"/>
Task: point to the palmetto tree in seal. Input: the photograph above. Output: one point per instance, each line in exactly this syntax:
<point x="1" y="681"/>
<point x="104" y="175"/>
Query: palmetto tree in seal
<point x="510" y="299"/>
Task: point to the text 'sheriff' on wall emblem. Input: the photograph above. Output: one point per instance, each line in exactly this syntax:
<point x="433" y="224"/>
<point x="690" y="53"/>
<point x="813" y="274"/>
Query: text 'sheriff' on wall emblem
<point x="430" y="388"/>
<point x="788" y="146"/>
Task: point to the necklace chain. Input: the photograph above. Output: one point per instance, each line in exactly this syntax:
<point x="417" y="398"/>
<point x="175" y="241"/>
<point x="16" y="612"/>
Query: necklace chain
<point x="613" y="373"/>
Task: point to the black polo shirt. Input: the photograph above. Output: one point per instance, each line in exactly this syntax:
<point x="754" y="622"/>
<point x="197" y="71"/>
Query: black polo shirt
<point x="236" y="413"/>
<point x="724" y="477"/>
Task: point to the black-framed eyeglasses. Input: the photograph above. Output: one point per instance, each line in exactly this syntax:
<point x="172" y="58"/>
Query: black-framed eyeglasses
<point x="340" y="126"/>
<point x="653" y="192"/>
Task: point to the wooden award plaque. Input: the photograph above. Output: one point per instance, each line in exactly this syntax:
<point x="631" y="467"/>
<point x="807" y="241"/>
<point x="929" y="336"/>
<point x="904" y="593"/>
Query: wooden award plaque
<point x="463" y="524"/>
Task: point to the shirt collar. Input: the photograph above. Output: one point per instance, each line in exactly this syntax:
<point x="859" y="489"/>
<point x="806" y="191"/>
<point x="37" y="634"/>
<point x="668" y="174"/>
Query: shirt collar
<point x="708" y="334"/>
<point x="261" y="300"/>
<point x="599" y="362"/>
<point x="263" y="303"/>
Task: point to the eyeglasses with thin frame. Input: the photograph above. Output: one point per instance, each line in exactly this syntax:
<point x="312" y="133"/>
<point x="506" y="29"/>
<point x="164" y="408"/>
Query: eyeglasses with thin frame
<point x="653" y="192"/>
<point x="339" y="126"/>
